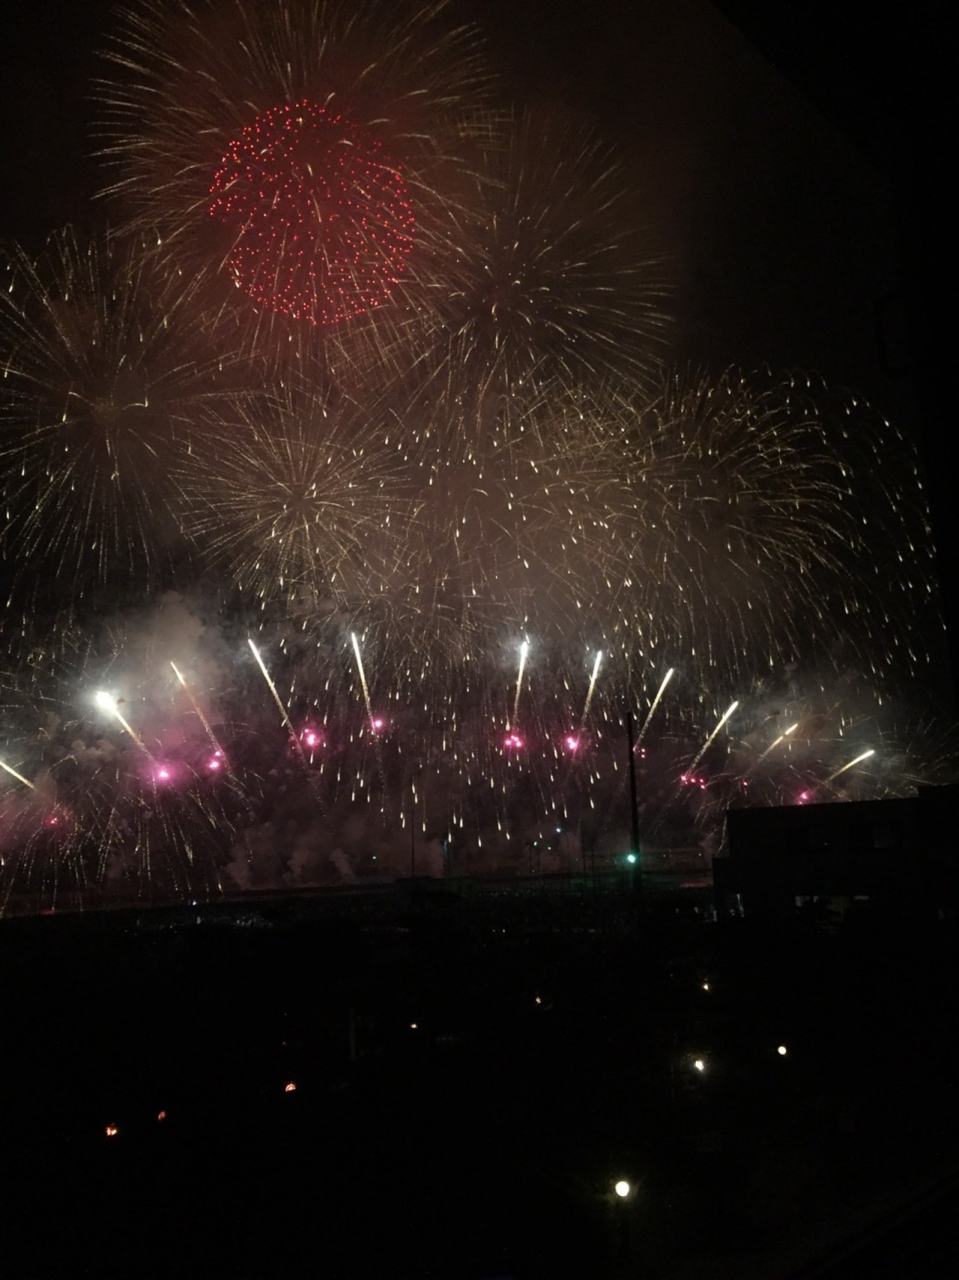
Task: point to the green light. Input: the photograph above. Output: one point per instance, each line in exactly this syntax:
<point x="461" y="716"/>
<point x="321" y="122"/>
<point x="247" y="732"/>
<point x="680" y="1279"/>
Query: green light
<point x="631" y="858"/>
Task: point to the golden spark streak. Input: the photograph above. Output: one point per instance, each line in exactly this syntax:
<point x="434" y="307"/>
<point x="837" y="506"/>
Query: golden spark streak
<point x="592" y="686"/>
<point x="199" y="711"/>
<point x="276" y="697"/>
<point x="109" y="704"/>
<point x="773" y="745"/>
<point x="19" y="776"/>
<point x="649" y="715"/>
<point x="366" y="688"/>
<point x="858" y="760"/>
<point x="709" y="740"/>
<point x="523" y="651"/>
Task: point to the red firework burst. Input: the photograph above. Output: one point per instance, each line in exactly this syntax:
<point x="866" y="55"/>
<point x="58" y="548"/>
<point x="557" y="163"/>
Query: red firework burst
<point x="323" y="221"/>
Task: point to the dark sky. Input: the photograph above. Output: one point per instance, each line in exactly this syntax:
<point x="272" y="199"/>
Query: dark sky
<point x="794" y="172"/>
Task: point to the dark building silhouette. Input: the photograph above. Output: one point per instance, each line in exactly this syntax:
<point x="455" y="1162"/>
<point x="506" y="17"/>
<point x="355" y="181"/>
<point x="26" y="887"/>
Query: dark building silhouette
<point x="877" y="857"/>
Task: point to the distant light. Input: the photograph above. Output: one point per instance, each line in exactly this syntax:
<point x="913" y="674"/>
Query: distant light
<point x="378" y="723"/>
<point x="111" y="1131"/>
<point x="700" y="1064"/>
<point x="631" y="858"/>
<point x="290" y="1086"/>
<point x="705" y="986"/>
<point x="539" y="999"/>
<point x="414" y="1025"/>
<point x="163" y="774"/>
<point x="161" y="1116"/>
<point x="782" y="1051"/>
<point x="572" y="742"/>
<point x="622" y="1188"/>
<point x="513" y="740"/>
<point x="105" y="700"/>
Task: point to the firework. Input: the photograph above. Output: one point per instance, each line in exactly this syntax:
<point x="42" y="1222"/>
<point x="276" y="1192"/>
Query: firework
<point x="323" y="223"/>
<point x="551" y="283"/>
<point x="297" y="150"/>
<point x="893" y="603"/>
<point x="717" y="522"/>
<point x="502" y="785"/>
<point x="739" y="528"/>
<point x="99" y="390"/>
<point x="287" y="494"/>
<point x="133" y="807"/>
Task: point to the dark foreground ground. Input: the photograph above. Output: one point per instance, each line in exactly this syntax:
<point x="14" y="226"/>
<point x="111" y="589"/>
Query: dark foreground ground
<point x="472" y="1075"/>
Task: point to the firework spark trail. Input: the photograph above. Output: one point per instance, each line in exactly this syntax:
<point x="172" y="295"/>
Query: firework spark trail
<point x="858" y="760"/>
<point x="108" y="703"/>
<point x="19" y="776"/>
<point x="649" y="715"/>
<point x="706" y="745"/>
<point x="200" y="715"/>
<point x="365" y="686"/>
<point x="773" y="745"/>
<point x="589" y="691"/>
<point x="276" y="697"/>
<point x="523" y="651"/>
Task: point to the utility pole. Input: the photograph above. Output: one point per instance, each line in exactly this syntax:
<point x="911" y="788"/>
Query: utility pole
<point x="412" y="844"/>
<point x="633" y="804"/>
